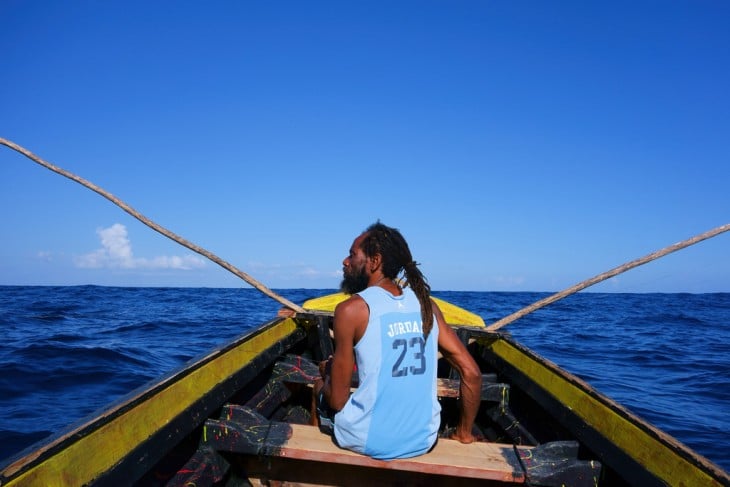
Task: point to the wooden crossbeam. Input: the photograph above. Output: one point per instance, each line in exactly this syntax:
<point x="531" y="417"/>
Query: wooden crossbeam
<point x="479" y="460"/>
<point x="449" y="457"/>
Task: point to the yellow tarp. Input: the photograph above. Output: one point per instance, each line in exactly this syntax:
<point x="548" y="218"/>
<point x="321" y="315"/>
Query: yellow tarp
<point x="453" y="314"/>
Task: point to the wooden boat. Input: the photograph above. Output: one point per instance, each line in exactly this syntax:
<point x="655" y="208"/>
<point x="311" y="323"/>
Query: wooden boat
<point x="240" y="415"/>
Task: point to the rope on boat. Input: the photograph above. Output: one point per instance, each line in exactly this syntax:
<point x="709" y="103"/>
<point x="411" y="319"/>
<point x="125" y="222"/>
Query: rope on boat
<point x="525" y="475"/>
<point x="602" y="277"/>
<point x="154" y="226"/>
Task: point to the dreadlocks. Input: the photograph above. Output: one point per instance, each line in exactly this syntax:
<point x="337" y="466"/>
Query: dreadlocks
<point x="396" y="257"/>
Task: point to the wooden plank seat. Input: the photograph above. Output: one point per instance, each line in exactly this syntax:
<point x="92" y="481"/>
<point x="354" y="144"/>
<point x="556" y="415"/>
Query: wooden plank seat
<point x="241" y="430"/>
<point x="449" y="457"/>
<point x="244" y="431"/>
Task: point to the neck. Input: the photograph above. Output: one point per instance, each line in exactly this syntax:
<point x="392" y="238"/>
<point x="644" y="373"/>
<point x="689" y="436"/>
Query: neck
<point x="377" y="283"/>
<point x="388" y="285"/>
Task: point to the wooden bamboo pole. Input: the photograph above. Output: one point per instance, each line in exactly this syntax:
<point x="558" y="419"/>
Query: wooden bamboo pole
<point x="602" y="277"/>
<point x="154" y="226"/>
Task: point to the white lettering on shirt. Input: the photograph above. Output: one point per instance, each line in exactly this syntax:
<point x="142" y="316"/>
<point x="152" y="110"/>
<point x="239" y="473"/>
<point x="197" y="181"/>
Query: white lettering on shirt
<point x="403" y="327"/>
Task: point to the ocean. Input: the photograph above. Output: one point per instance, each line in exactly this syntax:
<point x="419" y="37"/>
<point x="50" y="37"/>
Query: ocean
<point x="70" y="351"/>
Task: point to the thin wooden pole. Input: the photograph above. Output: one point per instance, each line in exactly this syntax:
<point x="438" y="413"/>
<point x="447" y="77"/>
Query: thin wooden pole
<point x="154" y="226"/>
<point x="602" y="277"/>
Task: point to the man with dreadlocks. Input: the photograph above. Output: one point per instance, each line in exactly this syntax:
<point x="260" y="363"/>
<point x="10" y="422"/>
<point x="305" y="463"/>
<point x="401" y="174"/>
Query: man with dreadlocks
<point x="393" y="333"/>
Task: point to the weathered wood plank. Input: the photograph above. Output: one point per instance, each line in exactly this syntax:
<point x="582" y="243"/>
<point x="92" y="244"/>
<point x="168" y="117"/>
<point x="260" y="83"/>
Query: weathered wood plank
<point x="449" y="457"/>
<point x="479" y="460"/>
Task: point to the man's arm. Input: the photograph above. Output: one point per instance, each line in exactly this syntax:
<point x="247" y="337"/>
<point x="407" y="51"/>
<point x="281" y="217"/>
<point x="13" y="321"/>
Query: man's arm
<point x="470" y="390"/>
<point x="350" y="315"/>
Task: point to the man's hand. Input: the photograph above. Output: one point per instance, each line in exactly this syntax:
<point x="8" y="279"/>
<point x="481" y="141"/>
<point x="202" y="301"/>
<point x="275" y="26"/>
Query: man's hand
<point x="325" y="367"/>
<point x="285" y="313"/>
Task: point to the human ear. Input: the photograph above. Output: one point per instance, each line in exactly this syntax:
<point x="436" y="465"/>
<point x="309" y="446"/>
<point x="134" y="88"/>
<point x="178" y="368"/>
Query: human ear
<point x="375" y="262"/>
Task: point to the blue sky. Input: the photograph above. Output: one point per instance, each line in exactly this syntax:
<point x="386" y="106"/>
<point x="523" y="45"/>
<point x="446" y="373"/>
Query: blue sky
<point x="519" y="146"/>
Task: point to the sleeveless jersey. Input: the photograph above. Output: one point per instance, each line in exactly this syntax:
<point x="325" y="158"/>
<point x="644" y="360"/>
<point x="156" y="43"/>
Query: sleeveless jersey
<point x="394" y="413"/>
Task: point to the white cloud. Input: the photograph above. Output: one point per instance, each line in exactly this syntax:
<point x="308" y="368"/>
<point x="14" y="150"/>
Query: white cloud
<point x="45" y="255"/>
<point x="116" y="252"/>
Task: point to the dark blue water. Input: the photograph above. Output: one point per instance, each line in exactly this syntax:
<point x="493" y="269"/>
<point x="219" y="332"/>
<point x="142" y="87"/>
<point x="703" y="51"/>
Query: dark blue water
<point x="69" y="351"/>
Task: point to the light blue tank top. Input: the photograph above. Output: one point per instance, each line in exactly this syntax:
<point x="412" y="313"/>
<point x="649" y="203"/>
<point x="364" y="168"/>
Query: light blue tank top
<point x="394" y="413"/>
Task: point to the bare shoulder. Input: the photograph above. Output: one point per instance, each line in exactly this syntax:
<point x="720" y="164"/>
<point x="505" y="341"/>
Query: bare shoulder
<point x="352" y="308"/>
<point x="440" y="320"/>
<point x="437" y="312"/>
<point x="351" y="319"/>
<point x="449" y="342"/>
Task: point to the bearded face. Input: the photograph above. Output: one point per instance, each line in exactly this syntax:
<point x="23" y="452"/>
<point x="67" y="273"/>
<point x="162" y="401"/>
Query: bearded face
<point x="354" y="280"/>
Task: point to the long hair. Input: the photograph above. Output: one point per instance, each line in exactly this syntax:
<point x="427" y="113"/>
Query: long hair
<point x="396" y="257"/>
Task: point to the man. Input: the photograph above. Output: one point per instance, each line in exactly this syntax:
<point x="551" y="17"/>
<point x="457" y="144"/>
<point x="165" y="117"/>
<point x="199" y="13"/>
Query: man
<point x="393" y="335"/>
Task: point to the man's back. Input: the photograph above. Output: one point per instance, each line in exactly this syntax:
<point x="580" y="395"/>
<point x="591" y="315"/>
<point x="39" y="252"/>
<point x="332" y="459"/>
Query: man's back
<point x="394" y="413"/>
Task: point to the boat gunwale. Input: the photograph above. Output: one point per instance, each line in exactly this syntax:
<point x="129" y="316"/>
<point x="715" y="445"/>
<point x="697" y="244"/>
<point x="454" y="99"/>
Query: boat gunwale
<point x="591" y="434"/>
